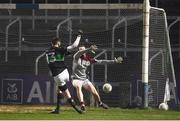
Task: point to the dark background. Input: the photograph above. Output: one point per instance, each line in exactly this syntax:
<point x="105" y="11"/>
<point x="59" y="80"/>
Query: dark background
<point x="171" y="6"/>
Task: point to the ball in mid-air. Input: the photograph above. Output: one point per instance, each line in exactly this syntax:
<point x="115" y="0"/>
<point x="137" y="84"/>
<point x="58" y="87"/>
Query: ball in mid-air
<point x="107" y="88"/>
<point x="163" y="106"/>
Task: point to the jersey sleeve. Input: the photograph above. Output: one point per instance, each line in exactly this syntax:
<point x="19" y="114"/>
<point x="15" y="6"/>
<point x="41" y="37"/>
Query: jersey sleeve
<point x="105" y="61"/>
<point x="78" y="54"/>
<point x="75" y="44"/>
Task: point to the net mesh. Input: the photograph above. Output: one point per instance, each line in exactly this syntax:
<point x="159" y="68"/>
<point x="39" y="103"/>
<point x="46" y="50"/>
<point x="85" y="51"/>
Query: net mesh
<point x="161" y="68"/>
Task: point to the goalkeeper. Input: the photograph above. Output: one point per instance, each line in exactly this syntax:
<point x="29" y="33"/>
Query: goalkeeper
<point x="55" y="59"/>
<point x="81" y="60"/>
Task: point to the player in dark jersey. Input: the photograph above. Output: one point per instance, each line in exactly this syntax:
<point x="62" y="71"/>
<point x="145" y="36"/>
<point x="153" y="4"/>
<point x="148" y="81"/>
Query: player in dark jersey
<point x="55" y="59"/>
<point x="81" y="61"/>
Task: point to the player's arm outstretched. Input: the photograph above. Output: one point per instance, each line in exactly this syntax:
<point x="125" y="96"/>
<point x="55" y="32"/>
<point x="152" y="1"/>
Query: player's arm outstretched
<point x="83" y="51"/>
<point x="116" y="60"/>
<point x="76" y="42"/>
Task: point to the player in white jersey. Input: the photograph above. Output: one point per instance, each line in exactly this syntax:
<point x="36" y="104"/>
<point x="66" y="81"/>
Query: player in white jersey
<point x="81" y="61"/>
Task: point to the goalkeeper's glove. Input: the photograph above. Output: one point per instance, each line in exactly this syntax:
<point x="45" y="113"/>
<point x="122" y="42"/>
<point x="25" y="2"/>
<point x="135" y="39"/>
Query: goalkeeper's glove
<point x="118" y="60"/>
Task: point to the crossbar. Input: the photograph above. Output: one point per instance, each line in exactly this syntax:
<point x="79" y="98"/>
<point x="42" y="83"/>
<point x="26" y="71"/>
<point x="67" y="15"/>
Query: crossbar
<point x="71" y="6"/>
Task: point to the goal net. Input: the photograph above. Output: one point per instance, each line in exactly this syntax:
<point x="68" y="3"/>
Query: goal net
<point x="161" y="63"/>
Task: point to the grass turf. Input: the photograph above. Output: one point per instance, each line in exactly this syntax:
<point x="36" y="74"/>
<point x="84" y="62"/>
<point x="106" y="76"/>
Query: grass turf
<point x="29" y="112"/>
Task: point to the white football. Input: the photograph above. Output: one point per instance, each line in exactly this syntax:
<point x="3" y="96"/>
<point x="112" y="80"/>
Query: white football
<point x="107" y="88"/>
<point x="163" y="106"/>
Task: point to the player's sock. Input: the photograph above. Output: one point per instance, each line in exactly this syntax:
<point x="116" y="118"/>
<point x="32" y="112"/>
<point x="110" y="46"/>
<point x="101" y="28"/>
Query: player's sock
<point x="58" y="101"/>
<point x="82" y="106"/>
<point x="56" y="110"/>
<point x="99" y="102"/>
<point x="103" y="105"/>
<point x="73" y="104"/>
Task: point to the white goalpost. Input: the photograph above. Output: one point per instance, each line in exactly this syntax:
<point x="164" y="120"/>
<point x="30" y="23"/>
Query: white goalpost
<point x="168" y="69"/>
<point x="145" y="55"/>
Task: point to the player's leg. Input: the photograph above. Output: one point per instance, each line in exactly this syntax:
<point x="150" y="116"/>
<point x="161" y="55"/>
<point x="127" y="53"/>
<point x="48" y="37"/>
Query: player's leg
<point x="59" y="97"/>
<point x="78" y="86"/>
<point x="90" y="87"/>
<point x="64" y="77"/>
<point x="71" y="101"/>
<point x="58" y="94"/>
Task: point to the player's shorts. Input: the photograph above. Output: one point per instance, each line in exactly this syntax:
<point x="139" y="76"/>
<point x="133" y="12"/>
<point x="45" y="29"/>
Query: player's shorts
<point x="80" y="82"/>
<point x="62" y="78"/>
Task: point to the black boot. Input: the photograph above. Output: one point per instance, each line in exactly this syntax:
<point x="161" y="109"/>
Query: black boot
<point x="56" y="110"/>
<point x="71" y="101"/>
<point x="103" y="105"/>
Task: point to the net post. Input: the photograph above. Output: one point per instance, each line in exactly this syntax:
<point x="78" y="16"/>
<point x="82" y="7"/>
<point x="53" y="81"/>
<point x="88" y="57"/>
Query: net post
<point x="145" y="54"/>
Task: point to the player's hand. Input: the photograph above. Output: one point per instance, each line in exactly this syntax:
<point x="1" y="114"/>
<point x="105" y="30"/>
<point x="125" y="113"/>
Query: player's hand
<point x="118" y="60"/>
<point x="80" y="32"/>
<point x="93" y="47"/>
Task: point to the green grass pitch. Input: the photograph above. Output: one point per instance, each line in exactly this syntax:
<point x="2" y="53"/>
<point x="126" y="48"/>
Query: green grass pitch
<point x="33" y="112"/>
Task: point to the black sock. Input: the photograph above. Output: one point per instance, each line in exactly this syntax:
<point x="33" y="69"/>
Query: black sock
<point x="71" y="101"/>
<point x="59" y="96"/>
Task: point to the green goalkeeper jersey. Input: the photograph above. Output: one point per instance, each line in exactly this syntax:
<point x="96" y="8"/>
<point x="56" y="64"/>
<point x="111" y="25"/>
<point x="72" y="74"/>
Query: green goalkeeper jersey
<point x="55" y="59"/>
